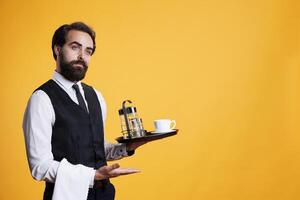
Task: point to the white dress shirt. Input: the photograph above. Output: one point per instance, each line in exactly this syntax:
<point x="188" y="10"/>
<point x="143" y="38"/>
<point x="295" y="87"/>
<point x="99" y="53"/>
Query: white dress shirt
<point x="38" y="121"/>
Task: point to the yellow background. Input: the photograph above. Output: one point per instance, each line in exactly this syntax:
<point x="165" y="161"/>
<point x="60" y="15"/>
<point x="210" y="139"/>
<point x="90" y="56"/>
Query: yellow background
<point x="226" y="71"/>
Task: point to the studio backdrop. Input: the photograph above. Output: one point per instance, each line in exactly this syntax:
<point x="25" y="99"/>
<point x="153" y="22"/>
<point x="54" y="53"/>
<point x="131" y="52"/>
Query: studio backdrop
<point x="227" y="71"/>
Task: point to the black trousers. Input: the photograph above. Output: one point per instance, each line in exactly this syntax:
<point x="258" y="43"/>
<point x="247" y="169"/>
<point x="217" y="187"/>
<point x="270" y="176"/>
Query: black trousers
<point x="104" y="193"/>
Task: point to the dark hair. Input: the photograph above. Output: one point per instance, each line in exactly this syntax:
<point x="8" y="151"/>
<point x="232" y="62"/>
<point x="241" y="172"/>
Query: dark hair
<point x="59" y="37"/>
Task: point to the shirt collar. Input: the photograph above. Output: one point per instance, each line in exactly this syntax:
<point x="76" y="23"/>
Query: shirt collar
<point x="63" y="81"/>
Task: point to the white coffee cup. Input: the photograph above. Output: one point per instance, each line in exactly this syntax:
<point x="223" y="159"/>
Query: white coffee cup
<point x="164" y="125"/>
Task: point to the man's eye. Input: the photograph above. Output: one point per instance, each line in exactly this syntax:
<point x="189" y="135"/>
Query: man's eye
<point x="74" y="47"/>
<point x="89" y="52"/>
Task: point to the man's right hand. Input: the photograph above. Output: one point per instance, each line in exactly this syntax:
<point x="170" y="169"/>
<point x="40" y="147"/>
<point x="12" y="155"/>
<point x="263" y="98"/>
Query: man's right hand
<point x="112" y="171"/>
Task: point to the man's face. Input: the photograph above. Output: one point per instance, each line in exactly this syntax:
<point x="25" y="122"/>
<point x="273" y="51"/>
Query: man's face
<point x="74" y="56"/>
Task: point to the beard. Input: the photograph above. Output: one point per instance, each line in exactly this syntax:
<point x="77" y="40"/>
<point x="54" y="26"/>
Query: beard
<point x="72" y="72"/>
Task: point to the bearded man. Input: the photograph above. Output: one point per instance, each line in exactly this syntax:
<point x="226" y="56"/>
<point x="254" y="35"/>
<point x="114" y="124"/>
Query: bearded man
<point x="63" y="125"/>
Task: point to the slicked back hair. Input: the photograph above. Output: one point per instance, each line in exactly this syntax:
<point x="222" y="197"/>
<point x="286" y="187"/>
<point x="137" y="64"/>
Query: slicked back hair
<point x="59" y="37"/>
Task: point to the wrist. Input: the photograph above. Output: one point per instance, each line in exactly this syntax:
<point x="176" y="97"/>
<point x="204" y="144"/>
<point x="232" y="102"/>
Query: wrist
<point x="98" y="176"/>
<point x="129" y="150"/>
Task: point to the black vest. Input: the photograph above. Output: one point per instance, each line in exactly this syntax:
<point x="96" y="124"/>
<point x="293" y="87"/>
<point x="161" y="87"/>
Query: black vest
<point x="76" y="135"/>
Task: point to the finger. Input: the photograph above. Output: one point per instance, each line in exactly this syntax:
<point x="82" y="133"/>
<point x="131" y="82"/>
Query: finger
<point x="120" y="172"/>
<point x="113" y="166"/>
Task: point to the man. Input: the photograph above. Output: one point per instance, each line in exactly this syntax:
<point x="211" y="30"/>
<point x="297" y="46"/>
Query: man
<point x="63" y="125"/>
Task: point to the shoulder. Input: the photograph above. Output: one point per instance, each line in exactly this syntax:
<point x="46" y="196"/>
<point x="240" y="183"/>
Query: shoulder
<point x="39" y="97"/>
<point x="41" y="94"/>
<point x="101" y="99"/>
<point x="46" y="86"/>
<point x="98" y="93"/>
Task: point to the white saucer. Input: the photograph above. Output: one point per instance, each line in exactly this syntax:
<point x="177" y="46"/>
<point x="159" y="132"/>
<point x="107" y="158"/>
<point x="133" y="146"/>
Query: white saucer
<point x="168" y="131"/>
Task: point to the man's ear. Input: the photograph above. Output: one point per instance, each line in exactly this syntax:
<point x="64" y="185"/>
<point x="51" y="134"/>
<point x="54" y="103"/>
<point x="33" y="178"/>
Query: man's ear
<point x="57" y="50"/>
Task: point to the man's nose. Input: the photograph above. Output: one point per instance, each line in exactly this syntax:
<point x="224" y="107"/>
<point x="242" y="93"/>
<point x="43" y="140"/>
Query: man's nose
<point x="80" y="55"/>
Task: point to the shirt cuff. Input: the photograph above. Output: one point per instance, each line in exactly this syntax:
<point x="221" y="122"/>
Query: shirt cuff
<point x="123" y="150"/>
<point x="92" y="180"/>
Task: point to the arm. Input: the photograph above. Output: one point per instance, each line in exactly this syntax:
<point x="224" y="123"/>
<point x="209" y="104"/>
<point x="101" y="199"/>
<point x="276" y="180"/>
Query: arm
<point x="38" y="121"/>
<point x="37" y="126"/>
<point x="71" y="181"/>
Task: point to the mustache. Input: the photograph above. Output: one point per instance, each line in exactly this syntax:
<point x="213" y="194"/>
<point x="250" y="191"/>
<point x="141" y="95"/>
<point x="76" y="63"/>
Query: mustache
<point x="78" y="62"/>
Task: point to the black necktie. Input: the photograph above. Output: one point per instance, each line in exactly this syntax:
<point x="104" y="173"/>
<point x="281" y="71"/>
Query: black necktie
<point x="79" y="97"/>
